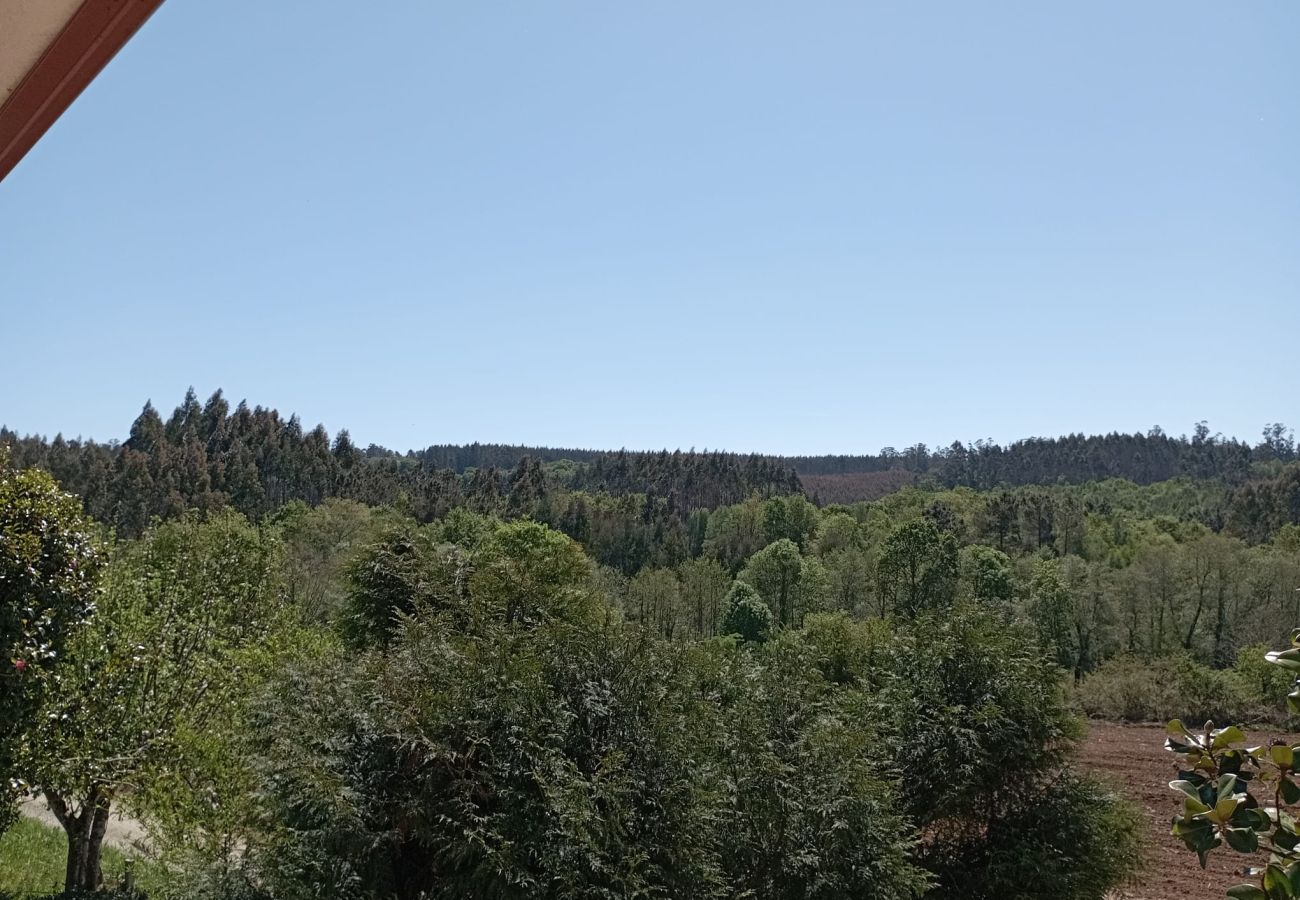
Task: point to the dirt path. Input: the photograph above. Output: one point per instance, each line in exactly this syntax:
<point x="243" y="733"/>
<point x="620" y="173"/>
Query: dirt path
<point x="120" y="832"/>
<point x="1132" y="759"/>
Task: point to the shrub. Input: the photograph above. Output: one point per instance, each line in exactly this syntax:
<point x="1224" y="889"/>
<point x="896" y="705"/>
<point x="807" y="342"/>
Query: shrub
<point x="1070" y="838"/>
<point x="746" y="616"/>
<point x="971" y="698"/>
<point x="1128" y="689"/>
<point x="570" y="760"/>
<point x="980" y="733"/>
<point x="1217" y="694"/>
<point x="553" y="760"/>
<point x="810" y="810"/>
<point x="1266" y="685"/>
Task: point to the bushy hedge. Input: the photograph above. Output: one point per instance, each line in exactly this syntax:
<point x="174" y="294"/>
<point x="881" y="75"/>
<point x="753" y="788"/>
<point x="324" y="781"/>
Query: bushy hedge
<point x="1070" y="837"/>
<point x="982" y="736"/>
<point x="1128" y="689"/>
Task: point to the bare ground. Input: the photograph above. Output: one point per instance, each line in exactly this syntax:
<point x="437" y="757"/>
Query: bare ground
<point x="120" y="832"/>
<point x="1132" y="759"/>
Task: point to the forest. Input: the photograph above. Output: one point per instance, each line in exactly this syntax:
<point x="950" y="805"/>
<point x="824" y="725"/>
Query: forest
<point x="315" y="670"/>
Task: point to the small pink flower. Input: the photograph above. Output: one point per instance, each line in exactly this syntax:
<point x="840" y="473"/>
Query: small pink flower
<point x="20" y="665"/>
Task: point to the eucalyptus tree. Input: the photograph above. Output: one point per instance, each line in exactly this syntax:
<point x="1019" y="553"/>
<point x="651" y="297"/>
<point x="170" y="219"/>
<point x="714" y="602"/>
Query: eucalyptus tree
<point x="704" y="586"/>
<point x="792" y="584"/>
<point x="918" y="569"/>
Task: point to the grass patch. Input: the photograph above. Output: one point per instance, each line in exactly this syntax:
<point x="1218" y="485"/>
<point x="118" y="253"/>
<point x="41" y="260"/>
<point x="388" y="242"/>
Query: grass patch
<point x="32" y="858"/>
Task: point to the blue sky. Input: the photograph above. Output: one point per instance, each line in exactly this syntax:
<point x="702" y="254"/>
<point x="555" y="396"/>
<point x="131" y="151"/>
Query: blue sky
<point x="787" y="227"/>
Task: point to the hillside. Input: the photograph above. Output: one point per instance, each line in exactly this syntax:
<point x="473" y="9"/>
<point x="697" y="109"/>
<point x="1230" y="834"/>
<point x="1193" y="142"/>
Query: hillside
<point x="256" y="459"/>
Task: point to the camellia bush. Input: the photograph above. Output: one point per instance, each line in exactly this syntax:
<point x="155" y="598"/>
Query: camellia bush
<point x="50" y="556"/>
<point x="1243" y="796"/>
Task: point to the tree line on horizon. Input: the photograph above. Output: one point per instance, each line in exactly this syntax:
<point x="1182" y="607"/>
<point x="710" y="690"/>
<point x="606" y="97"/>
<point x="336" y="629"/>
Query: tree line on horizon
<point x="206" y="456"/>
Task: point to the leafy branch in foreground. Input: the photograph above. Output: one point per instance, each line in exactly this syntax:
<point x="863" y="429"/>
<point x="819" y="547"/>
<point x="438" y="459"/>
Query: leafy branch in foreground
<point x="1239" y="795"/>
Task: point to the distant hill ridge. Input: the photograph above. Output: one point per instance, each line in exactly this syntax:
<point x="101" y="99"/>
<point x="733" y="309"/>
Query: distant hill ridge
<point x="1142" y="458"/>
<point x="258" y="459"/>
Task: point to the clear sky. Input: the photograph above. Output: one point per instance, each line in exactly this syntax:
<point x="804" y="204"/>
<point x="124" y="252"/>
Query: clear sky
<point x="787" y="227"/>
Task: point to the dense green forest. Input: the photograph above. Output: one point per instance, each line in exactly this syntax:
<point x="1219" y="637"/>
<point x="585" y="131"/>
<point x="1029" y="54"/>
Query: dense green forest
<point x="207" y="456"/>
<point x="319" y="671"/>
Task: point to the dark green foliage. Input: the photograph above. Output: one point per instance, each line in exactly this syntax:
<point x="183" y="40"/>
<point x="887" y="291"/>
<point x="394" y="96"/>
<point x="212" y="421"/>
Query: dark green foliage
<point x="791" y="518"/>
<point x="811" y="812"/>
<point x="557" y="760"/>
<point x="391" y="577"/>
<point x="568" y="760"/>
<point x="1260" y="508"/>
<point x="521" y="571"/>
<point x="918" y="568"/>
<point x="1143" y="458"/>
<point x="971" y="698"/>
<point x="1070" y="837"/>
<point x="49" y="560"/>
<point x="206" y="457"/>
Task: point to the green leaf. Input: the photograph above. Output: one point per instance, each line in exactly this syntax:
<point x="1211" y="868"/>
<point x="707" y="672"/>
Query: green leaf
<point x="1243" y="840"/>
<point x="1287" y="659"/>
<point x="1203" y="853"/>
<point x="1290" y="791"/>
<point x="1224" y="809"/>
<point x="1227" y="786"/>
<point x="1282" y="756"/>
<point x="1286" y="840"/>
<point x="1246" y="817"/>
<point x="1247" y="892"/>
<point x="1230" y="735"/>
<point x="1276" y="883"/>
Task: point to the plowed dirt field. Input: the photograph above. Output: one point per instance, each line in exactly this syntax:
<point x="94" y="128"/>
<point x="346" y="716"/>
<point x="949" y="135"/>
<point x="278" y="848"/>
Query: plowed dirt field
<point x="1132" y="759"/>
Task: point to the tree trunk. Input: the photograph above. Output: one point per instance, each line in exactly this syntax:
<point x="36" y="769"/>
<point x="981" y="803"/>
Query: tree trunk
<point x="1196" y="617"/>
<point x="85" y="831"/>
<point x="78" y="851"/>
<point x="1221" y="657"/>
<point x="94" y="871"/>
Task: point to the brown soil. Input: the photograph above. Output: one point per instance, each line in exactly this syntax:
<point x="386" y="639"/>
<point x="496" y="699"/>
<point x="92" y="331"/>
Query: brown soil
<point x="1132" y="759"/>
